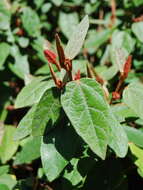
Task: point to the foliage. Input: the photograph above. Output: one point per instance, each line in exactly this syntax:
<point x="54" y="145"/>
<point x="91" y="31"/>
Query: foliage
<point x="71" y="108"/>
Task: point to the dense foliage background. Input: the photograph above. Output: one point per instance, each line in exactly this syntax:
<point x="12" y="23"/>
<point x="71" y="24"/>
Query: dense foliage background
<point x="115" y="32"/>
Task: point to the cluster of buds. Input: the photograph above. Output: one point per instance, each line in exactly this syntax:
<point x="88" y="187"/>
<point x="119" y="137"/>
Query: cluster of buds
<point x="123" y="75"/>
<point x="62" y="63"/>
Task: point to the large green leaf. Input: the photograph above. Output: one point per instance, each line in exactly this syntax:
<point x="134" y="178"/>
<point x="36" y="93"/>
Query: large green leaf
<point x="57" y="149"/>
<point x="137" y="29"/>
<point x="25" y="126"/>
<point x="84" y="104"/>
<point x="67" y="23"/>
<point x="132" y="96"/>
<point x="32" y="92"/>
<point x="30" y="151"/>
<point x="47" y="111"/>
<point x="77" y="38"/>
<point x="4" y="52"/>
<point x="8" y="146"/>
<point x="31" y="21"/>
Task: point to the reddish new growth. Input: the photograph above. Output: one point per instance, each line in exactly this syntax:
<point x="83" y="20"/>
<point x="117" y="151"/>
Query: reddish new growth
<point x="138" y="19"/>
<point x="63" y="62"/>
<point x="127" y="67"/>
<point x="51" y="56"/>
<point x="77" y="75"/>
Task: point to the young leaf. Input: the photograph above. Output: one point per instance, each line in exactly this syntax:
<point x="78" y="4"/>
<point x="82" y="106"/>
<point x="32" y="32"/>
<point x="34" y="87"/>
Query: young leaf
<point x="32" y="92"/>
<point x="77" y="38"/>
<point x="57" y="149"/>
<point x="47" y="111"/>
<point x="132" y="96"/>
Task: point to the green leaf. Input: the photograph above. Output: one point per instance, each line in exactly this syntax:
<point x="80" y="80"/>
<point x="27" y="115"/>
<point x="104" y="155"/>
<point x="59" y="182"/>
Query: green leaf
<point x="122" y="111"/>
<point x="138" y="2"/>
<point x="77" y="39"/>
<point x="39" y="3"/>
<point x="32" y="92"/>
<point x="118" y="140"/>
<point x="4" y="169"/>
<point x="8" y="146"/>
<point x="21" y="65"/>
<point x="8" y="180"/>
<point x="137" y="29"/>
<point x="4" y="52"/>
<point x="4" y="187"/>
<point x="5" y="15"/>
<point x="132" y="96"/>
<point x="138" y="152"/>
<point x="85" y="106"/>
<point x="30" y="151"/>
<point x="67" y="23"/>
<point x="25" y="126"/>
<point x="38" y="46"/>
<point x="57" y="149"/>
<point x="134" y="135"/>
<point x="47" y="112"/>
<point x="23" y="42"/>
<point x="31" y="22"/>
<point x="57" y="2"/>
<point x="74" y="176"/>
<point x="96" y="39"/>
<point x="122" y="45"/>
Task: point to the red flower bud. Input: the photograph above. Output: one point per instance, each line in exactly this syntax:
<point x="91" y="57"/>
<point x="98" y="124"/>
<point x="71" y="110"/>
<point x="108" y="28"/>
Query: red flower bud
<point x="50" y="56"/>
